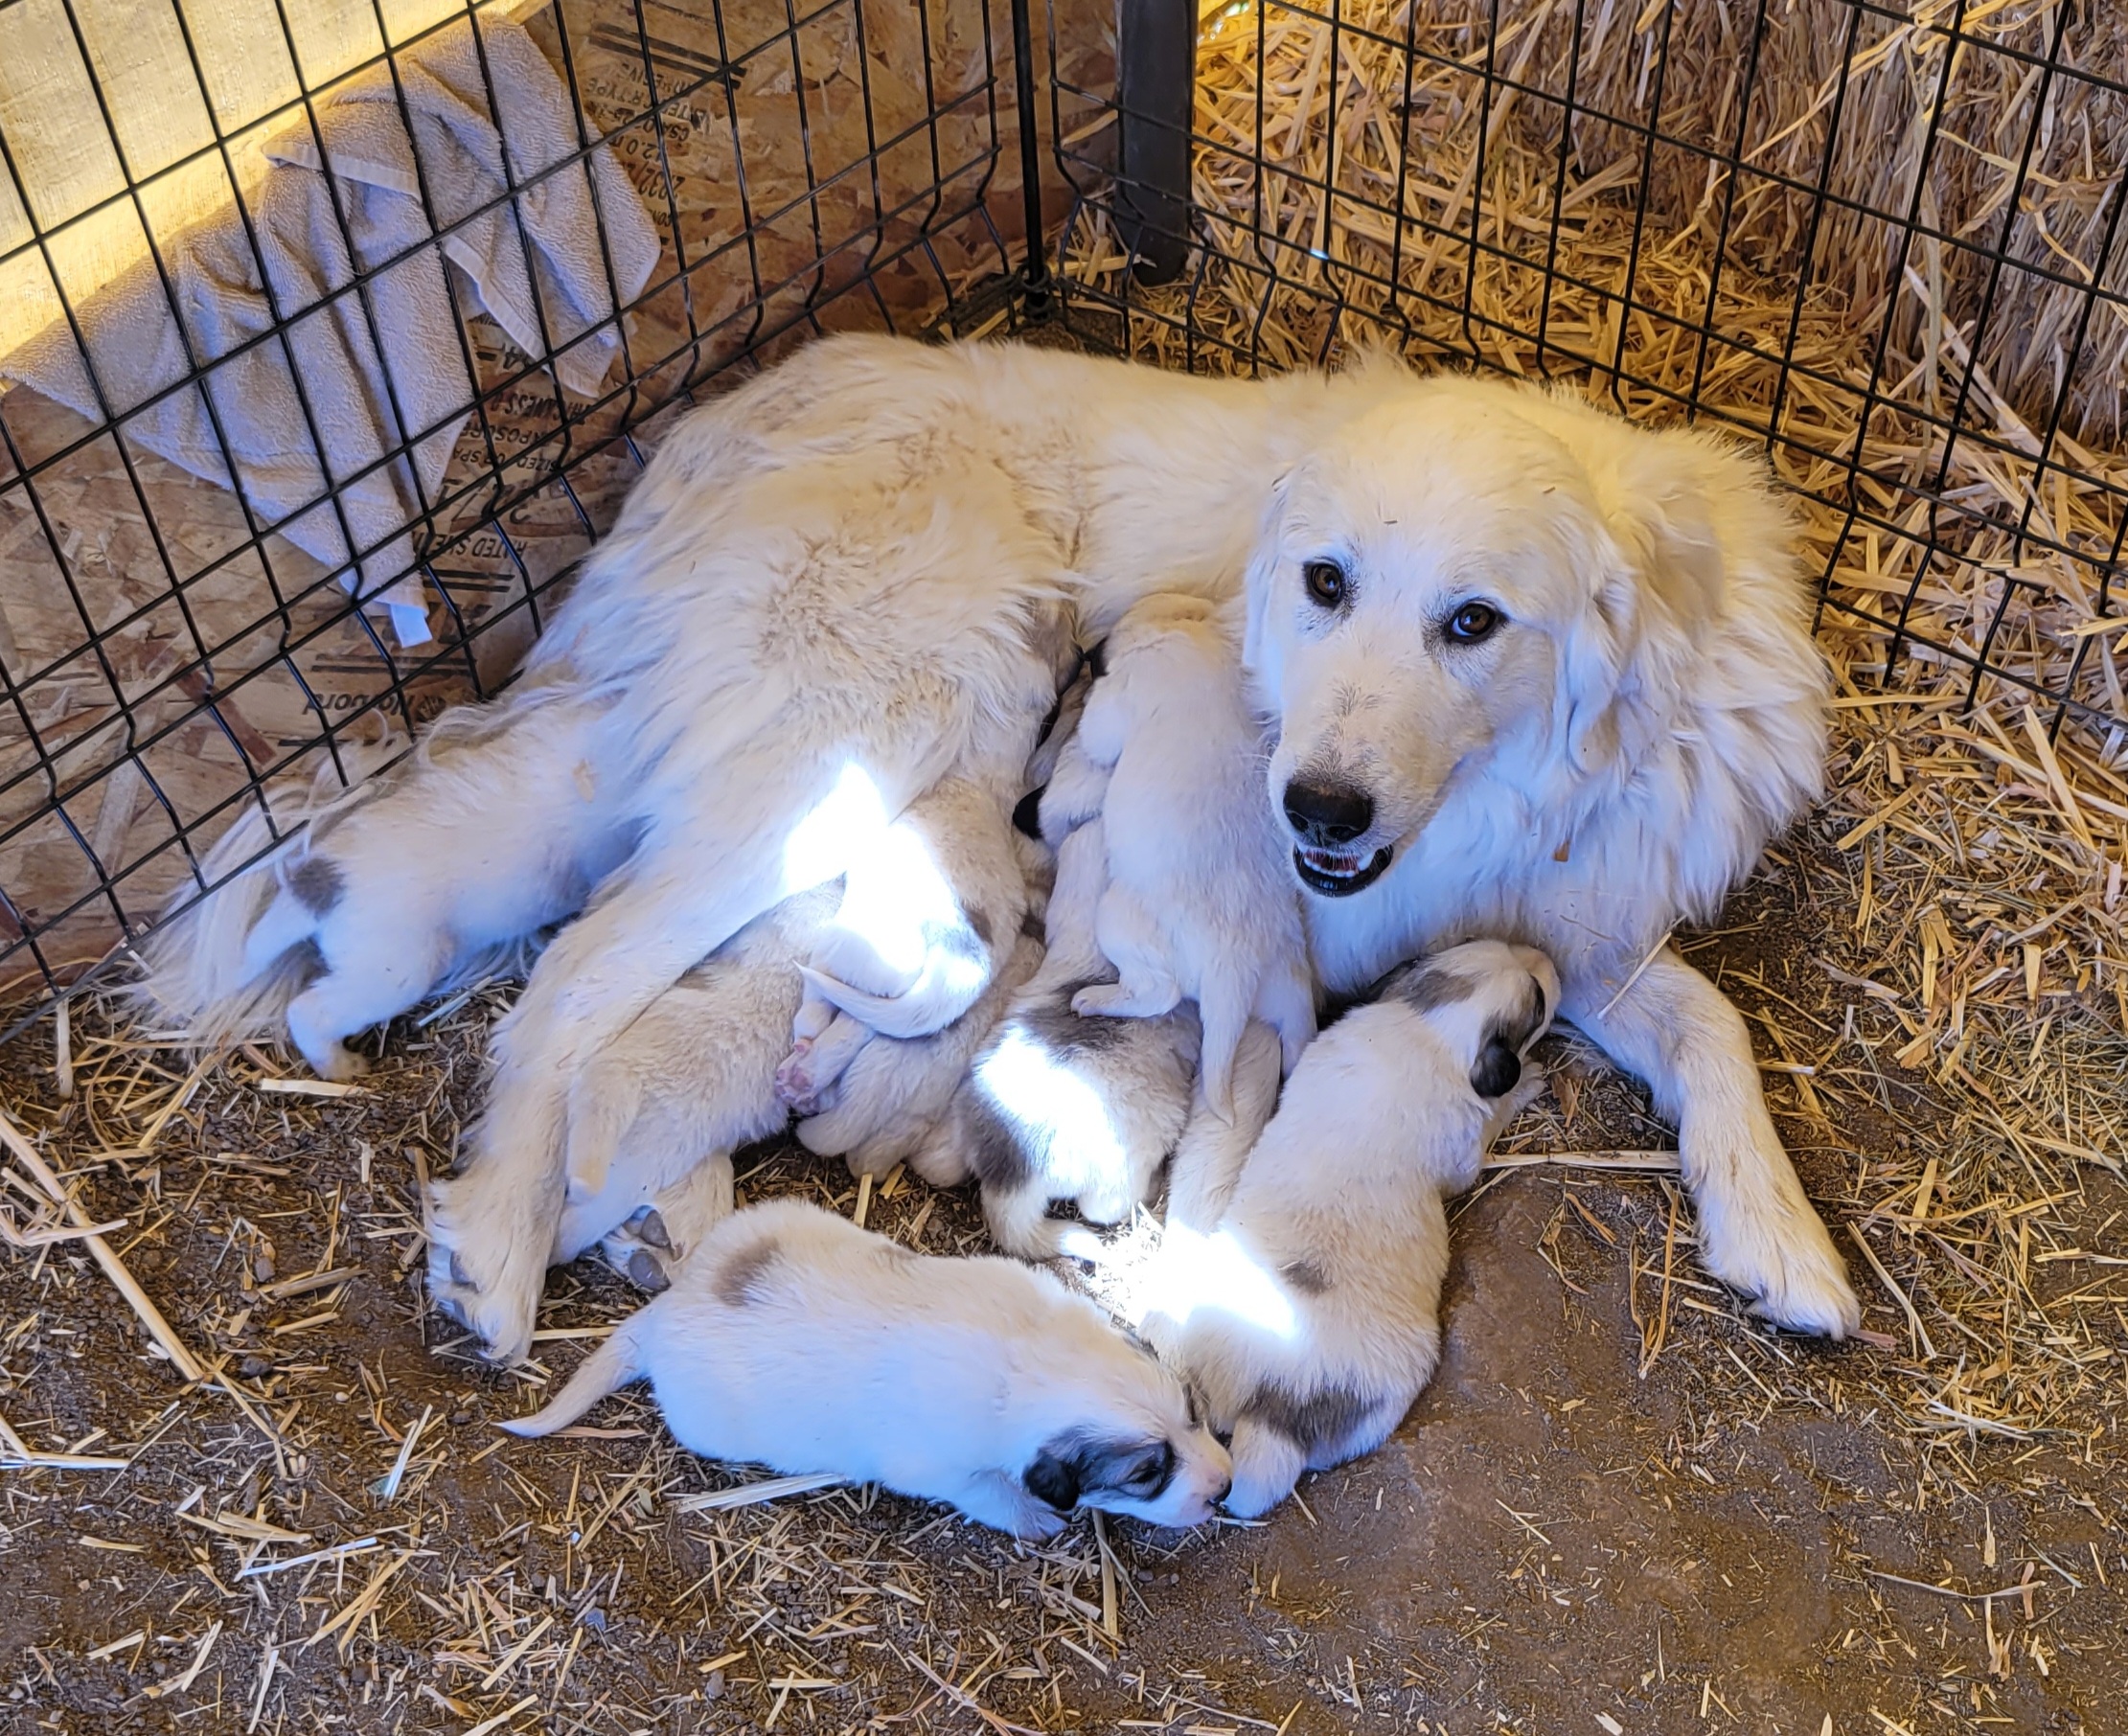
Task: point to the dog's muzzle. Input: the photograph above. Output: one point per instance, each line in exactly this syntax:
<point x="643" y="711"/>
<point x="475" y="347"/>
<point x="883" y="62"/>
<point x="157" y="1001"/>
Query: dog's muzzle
<point x="1329" y="817"/>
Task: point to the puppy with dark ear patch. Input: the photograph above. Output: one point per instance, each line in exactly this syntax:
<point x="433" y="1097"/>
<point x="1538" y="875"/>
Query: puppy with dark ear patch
<point x="1307" y="1315"/>
<point x="794" y="1339"/>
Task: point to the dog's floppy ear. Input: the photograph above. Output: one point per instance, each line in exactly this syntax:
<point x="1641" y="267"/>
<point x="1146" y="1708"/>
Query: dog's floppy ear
<point x="1595" y="651"/>
<point x="1073" y="1466"/>
<point x="1053" y="1479"/>
<point x="1498" y="1067"/>
<point x="1261" y="580"/>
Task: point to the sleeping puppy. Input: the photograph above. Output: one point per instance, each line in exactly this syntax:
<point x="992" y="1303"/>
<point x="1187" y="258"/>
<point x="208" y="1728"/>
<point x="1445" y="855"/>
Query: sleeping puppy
<point x="794" y="1339"/>
<point x="1061" y="1106"/>
<point x="927" y="921"/>
<point x="1200" y="901"/>
<point x="1308" y="1320"/>
<point x="895" y="1090"/>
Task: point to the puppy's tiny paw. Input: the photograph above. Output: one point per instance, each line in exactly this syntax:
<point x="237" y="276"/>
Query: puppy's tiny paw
<point x="644" y="1269"/>
<point x="342" y="1066"/>
<point x="650" y="1224"/>
<point x="795" y="1080"/>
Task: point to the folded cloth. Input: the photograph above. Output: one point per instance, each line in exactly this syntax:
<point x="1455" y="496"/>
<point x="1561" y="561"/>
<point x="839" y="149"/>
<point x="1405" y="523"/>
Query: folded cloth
<point x="383" y="367"/>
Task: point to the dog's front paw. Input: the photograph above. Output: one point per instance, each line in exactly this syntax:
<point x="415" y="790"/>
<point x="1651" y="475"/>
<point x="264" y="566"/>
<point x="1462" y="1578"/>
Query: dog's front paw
<point x="1785" y="1261"/>
<point x="487" y="1265"/>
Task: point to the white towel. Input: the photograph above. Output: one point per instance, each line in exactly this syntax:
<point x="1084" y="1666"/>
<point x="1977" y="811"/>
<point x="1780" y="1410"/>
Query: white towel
<point x="539" y="254"/>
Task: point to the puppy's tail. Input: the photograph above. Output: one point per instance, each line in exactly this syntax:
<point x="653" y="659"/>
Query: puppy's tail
<point x="1268" y="1462"/>
<point x="1222" y="1007"/>
<point x="606" y="1370"/>
<point x="1286" y="1001"/>
<point x="604" y="1100"/>
<point x="1020" y="1223"/>
<point x="953" y="981"/>
<point x="1209" y="1160"/>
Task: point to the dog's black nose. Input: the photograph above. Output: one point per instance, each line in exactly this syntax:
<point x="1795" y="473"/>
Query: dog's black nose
<point x="1225" y="1488"/>
<point x="1328" y="813"/>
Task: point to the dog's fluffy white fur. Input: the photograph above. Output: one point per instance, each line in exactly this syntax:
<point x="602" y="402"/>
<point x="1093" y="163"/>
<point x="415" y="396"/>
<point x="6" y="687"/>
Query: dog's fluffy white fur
<point x="794" y="1339"/>
<point x="1563" y="660"/>
<point x="1308" y="1318"/>
<point x="1199" y="900"/>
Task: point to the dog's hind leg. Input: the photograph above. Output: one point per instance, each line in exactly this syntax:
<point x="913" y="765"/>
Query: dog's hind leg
<point x="1208" y="1162"/>
<point x="1146" y="986"/>
<point x="358" y="992"/>
<point x="1758" y="1230"/>
<point x="815" y="1063"/>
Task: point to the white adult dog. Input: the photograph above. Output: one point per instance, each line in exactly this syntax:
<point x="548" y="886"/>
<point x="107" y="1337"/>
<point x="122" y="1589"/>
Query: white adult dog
<point x="1535" y="674"/>
<point x="794" y="1339"/>
<point x="1308" y="1317"/>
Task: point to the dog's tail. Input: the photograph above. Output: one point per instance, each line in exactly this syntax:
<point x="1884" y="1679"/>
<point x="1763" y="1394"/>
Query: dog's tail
<point x="1020" y="1223"/>
<point x="953" y="980"/>
<point x="1268" y="1462"/>
<point x="606" y="1370"/>
<point x="605" y="1099"/>
<point x="225" y="969"/>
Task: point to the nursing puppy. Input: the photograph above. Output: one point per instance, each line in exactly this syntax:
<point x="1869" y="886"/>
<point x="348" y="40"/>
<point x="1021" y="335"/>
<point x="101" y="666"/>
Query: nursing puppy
<point x="924" y="924"/>
<point x="657" y="1114"/>
<point x="885" y="1106"/>
<point x="372" y="906"/>
<point x="1309" y="1319"/>
<point x="794" y="1339"/>
<point x="1199" y="900"/>
<point x="1061" y="1106"/>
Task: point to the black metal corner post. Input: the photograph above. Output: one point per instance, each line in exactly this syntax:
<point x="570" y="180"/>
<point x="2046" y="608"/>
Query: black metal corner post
<point x="1034" y="276"/>
<point x="1156" y="85"/>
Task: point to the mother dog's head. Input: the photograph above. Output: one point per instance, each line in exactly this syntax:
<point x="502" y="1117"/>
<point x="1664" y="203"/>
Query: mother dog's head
<point x="1462" y="571"/>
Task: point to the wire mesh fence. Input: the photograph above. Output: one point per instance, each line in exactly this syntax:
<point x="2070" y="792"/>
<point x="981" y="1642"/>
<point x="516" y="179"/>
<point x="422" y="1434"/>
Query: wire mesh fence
<point x="1883" y="240"/>
<point x="336" y="332"/>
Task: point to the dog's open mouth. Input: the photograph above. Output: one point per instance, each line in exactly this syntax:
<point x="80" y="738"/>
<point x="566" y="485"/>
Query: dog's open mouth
<point x="1335" y="876"/>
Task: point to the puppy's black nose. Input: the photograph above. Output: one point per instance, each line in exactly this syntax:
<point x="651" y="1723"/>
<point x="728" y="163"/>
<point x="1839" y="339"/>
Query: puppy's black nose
<point x="1328" y="813"/>
<point x="1225" y="1488"/>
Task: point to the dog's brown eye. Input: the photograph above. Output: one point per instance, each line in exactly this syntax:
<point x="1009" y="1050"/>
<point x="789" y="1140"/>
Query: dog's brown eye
<point x="1472" y="622"/>
<point x="1326" y="583"/>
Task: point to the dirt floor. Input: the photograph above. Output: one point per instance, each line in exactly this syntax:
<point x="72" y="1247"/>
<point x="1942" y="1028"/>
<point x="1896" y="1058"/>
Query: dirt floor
<point x="1621" y="1507"/>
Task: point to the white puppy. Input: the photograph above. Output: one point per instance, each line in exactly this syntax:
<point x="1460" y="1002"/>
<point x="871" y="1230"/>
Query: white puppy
<point x="1062" y="1107"/>
<point x="656" y="1113"/>
<point x="373" y="906"/>
<point x="1307" y="1320"/>
<point x="883" y="1108"/>
<point x="1199" y="900"/>
<point x="794" y="1339"/>
<point x="924" y="924"/>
